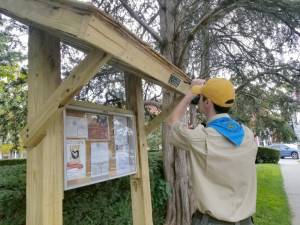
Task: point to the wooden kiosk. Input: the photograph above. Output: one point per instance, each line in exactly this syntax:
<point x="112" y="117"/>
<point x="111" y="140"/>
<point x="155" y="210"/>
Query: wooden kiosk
<point x="104" y="41"/>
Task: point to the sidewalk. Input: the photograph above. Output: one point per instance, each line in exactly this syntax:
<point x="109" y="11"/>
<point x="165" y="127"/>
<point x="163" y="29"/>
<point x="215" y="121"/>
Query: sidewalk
<point x="290" y="169"/>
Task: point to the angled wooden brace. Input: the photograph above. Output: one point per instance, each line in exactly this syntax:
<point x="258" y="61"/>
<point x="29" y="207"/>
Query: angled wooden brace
<point x="80" y="75"/>
<point x="153" y="124"/>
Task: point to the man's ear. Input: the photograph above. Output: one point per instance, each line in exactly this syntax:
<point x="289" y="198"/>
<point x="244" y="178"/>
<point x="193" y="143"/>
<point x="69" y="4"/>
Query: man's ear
<point x="208" y="102"/>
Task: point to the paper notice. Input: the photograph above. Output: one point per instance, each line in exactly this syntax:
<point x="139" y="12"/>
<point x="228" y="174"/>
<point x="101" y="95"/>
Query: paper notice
<point x="99" y="159"/>
<point x="76" y="127"/>
<point x="121" y="130"/>
<point x="98" y="127"/>
<point x="76" y="159"/>
<point x="124" y="162"/>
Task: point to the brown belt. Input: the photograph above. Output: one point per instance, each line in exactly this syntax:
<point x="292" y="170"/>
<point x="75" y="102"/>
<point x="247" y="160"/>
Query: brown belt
<point x="201" y="216"/>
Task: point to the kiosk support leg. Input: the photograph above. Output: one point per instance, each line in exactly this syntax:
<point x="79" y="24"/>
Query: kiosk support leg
<point x="44" y="188"/>
<point x="140" y="183"/>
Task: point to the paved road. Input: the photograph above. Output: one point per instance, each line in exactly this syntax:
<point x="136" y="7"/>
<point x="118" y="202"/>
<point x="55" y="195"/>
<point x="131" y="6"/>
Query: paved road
<point x="290" y="169"/>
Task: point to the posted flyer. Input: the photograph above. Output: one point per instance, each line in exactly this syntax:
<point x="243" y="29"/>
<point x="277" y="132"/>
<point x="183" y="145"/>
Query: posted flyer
<point x="76" y="159"/>
<point x="121" y="130"/>
<point x="122" y="159"/>
<point x="123" y="141"/>
<point x="99" y="159"/>
<point x="76" y="127"/>
<point x="98" y="127"/>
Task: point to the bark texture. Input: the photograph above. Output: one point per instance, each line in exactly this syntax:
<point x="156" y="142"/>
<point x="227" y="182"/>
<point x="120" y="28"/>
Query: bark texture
<point x="175" y="160"/>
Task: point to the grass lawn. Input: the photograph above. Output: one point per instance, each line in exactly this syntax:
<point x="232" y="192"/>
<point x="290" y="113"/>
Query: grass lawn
<point x="272" y="204"/>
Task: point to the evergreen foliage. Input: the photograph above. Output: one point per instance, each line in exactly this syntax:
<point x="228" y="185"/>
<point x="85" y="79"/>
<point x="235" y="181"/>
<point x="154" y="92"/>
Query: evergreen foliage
<point x="10" y="162"/>
<point x="267" y="155"/>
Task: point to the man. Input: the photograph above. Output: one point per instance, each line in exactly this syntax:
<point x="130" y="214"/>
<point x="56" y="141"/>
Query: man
<point x="222" y="156"/>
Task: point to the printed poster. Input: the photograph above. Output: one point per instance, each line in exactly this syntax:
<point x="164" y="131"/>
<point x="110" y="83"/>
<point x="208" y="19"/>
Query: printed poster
<point x="76" y="159"/>
<point x="76" y="127"/>
<point x="99" y="159"/>
<point x="98" y="128"/>
<point x="121" y="130"/>
<point x="124" y="157"/>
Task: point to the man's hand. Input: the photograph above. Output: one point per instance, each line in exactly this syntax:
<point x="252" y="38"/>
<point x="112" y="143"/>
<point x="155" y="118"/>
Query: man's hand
<point x="196" y="86"/>
<point x="200" y="82"/>
<point x="181" y="107"/>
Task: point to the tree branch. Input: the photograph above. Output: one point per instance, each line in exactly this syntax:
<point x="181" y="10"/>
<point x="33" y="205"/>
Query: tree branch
<point x="140" y="21"/>
<point x="270" y="72"/>
<point x="150" y="22"/>
<point x="204" y="21"/>
<point x="284" y="6"/>
<point x="243" y="85"/>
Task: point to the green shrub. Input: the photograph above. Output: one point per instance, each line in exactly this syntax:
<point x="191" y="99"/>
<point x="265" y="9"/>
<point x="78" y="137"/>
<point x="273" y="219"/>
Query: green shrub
<point x="267" y="155"/>
<point x="154" y="140"/>
<point x="8" y="162"/>
<point x="106" y="203"/>
<point x="160" y="189"/>
<point x="109" y="203"/>
<point x="12" y="194"/>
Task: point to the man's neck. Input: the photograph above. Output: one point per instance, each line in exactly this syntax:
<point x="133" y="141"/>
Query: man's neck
<point x="216" y="116"/>
<point x="210" y="115"/>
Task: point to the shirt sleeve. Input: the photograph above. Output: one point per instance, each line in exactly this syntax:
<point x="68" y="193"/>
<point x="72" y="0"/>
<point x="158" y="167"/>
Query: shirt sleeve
<point x="179" y="136"/>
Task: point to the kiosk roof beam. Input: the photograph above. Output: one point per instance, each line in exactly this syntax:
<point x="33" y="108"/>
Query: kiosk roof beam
<point x="85" y="25"/>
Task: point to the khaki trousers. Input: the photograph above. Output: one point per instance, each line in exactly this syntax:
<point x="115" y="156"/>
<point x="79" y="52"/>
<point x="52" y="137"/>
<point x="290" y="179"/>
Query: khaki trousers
<point x="202" y="219"/>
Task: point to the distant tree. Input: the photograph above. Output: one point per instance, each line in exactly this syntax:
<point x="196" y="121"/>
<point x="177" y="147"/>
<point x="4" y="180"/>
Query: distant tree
<point x="13" y="87"/>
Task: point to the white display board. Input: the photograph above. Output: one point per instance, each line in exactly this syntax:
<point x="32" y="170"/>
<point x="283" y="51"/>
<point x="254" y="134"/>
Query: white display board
<point x="97" y="146"/>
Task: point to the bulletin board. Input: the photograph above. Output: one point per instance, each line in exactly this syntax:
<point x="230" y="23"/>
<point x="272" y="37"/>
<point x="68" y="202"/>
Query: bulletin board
<point x="97" y="146"/>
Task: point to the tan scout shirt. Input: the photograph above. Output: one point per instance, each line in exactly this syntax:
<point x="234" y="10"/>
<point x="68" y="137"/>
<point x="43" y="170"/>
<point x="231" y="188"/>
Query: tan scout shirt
<point x="223" y="175"/>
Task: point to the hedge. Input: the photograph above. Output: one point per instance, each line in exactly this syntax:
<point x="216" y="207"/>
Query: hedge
<point x="7" y="162"/>
<point x="12" y="194"/>
<point x="267" y="155"/>
<point x="106" y="203"/>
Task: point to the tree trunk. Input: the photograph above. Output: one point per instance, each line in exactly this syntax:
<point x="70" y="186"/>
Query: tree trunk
<point x="175" y="161"/>
<point x="205" y="56"/>
<point x="181" y="204"/>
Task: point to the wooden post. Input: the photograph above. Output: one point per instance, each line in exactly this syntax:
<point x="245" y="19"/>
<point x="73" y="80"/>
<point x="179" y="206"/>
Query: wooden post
<point x="44" y="191"/>
<point x="140" y="183"/>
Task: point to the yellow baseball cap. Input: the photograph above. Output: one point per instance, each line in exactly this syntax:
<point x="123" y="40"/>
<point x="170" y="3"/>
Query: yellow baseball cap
<point x="220" y="91"/>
